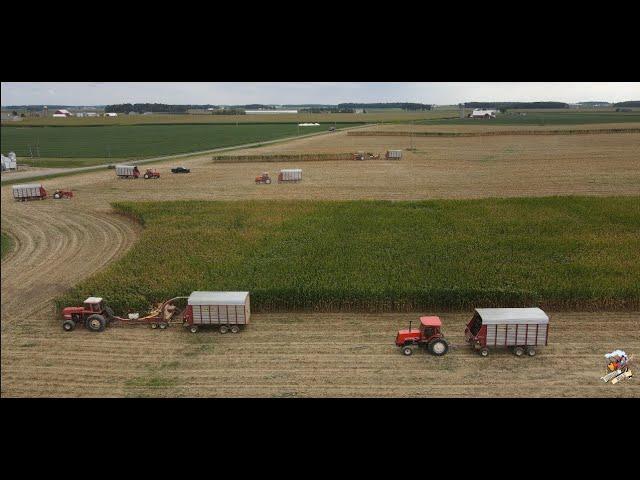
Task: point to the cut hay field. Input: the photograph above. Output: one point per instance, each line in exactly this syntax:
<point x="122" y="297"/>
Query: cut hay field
<point x="561" y="253"/>
<point x="139" y="141"/>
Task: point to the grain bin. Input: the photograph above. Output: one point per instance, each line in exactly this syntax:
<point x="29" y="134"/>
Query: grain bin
<point x="127" y="171"/>
<point x="229" y="311"/>
<point x="521" y="329"/>
<point x="29" y="191"/>
<point x="393" y="154"/>
<point x="290" y="175"/>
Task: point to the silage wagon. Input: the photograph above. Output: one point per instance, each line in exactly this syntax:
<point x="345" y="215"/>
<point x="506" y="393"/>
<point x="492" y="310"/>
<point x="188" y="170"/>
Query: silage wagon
<point x="229" y="311"/>
<point x="29" y="191"/>
<point x="520" y="329"/>
<point x="127" y="171"/>
<point x="290" y="175"/>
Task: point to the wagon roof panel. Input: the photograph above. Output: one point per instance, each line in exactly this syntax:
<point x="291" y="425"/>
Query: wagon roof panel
<point x="512" y="315"/>
<point x="27" y="185"/>
<point x="218" y="298"/>
<point x="93" y="300"/>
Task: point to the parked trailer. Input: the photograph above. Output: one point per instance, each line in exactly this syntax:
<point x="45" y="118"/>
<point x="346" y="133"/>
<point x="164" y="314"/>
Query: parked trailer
<point x="290" y="175"/>
<point x="127" y="171"/>
<point x="29" y="191"/>
<point x="521" y="329"/>
<point x="228" y="310"/>
<point x="393" y="154"/>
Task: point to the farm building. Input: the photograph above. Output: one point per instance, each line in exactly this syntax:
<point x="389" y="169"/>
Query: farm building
<point x="110" y="114"/>
<point x="481" y="113"/>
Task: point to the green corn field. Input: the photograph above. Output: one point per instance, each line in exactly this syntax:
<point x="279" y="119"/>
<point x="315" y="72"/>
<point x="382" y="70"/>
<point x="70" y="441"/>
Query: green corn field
<point x="555" y="252"/>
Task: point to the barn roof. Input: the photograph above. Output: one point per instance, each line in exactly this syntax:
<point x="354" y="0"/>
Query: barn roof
<point x="492" y="316"/>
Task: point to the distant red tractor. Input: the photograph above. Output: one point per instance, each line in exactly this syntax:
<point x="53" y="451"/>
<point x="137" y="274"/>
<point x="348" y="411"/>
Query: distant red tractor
<point x="58" y="194"/>
<point x="428" y="336"/>
<point x="94" y="314"/>
<point x="263" y="178"/>
<point x="151" y="173"/>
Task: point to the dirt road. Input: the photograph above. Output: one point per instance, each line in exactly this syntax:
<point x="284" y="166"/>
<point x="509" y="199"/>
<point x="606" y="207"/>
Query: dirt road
<point x="59" y="242"/>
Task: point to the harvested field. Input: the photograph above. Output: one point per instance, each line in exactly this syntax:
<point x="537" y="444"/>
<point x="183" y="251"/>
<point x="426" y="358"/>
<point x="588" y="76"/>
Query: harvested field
<point x="310" y="355"/>
<point x="405" y="133"/>
<point x="283" y="157"/>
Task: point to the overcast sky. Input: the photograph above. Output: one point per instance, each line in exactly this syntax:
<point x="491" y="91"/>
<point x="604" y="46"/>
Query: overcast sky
<point x="100" y="93"/>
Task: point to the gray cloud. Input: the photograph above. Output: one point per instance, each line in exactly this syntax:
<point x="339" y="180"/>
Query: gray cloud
<point x="95" y="93"/>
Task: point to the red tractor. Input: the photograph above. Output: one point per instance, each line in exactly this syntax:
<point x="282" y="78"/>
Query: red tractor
<point x="151" y="173"/>
<point x="263" y="178"/>
<point x="428" y="336"/>
<point x="94" y="314"/>
<point x="58" y="194"/>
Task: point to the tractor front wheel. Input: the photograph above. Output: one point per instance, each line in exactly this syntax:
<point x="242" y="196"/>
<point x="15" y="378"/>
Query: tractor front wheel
<point x="407" y="350"/>
<point x="68" y="325"/>
<point x="96" y="323"/>
<point x="438" y="347"/>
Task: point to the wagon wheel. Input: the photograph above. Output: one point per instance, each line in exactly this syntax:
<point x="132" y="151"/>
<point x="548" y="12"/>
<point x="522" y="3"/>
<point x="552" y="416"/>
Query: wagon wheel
<point x="163" y="325"/>
<point x="518" y="351"/>
<point x="235" y="329"/>
<point x="193" y="329"/>
<point x="531" y="352"/>
<point x="154" y="325"/>
<point x="224" y="329"/>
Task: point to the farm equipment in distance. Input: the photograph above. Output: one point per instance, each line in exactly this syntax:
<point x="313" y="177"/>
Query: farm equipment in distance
<point x="428" y="336"/>
<point x="151" y="173"/>
<point x="95" y="315"/>
<point x="365" y="156"/>
<point x="59" y="193"/>
<point x="180" y="170"/>
<point x="263" y="178"/>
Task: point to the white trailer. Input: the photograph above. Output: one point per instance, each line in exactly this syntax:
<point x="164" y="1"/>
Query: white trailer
<point x="29" y="191"/>
<point x="394" y="154"/>
<point x="228" y="310"/>
<point x="127" y="171"/>
<point x="290" y="175"/>
<point x="521" y="329"/>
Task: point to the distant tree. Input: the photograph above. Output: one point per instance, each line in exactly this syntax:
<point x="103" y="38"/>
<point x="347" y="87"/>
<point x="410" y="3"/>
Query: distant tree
<point x="14" y="113"/>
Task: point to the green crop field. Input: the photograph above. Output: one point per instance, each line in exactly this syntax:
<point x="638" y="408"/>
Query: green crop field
<point x="139" y="141"/>
<point x="539" y="118"/>
<point x="557" y="252"/>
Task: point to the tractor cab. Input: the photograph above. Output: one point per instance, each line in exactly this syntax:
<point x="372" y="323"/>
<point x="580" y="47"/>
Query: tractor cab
<point x="94" y="305"/>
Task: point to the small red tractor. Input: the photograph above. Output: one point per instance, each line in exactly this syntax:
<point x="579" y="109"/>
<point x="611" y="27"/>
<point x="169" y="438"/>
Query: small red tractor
<point x="94" y="314"/>
<point x="263" y="178"/>
<point x="428" y="336"/>
<point x="58" y="194"/>
<point x="151" y="173"/>
<point x="365" y="156"/>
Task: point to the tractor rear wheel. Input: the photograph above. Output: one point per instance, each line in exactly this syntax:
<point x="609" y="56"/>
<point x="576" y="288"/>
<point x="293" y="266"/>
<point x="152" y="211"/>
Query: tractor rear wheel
<point x="268" y="181"/>
<point x="68" y="325"/>
<point x="484" y="352"/>
<point x="438" y="347"/>
<point x="96" y="323"/>
<point x="407" y="350"/>
<point x="235" y="329"/>
<point x="146" y="176"/>
<point x="56" y="196"/>
<point x="108" y="312"/>
<point x="224" y="329"/>
<point x="163" y="325"/>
